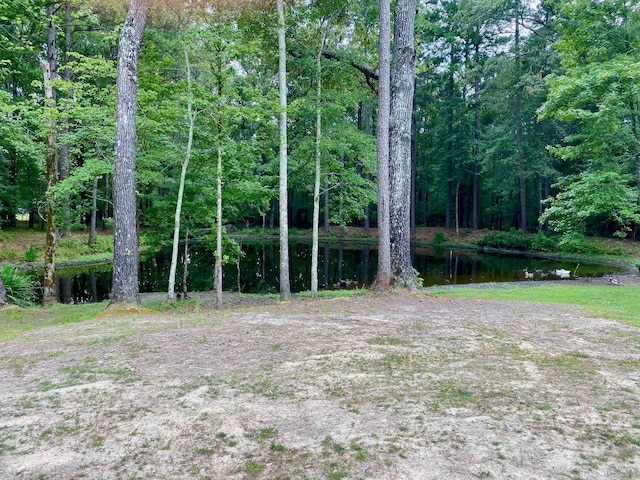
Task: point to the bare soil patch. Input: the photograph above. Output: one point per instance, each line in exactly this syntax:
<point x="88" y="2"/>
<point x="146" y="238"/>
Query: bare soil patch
<point x="379" y="387"/>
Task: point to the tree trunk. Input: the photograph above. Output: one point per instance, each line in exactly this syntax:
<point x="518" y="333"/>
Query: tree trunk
<point x="64" y="149"/>
<point x="402" y="82"/>
<point x="476" y="147"/>
<point x="105" y="212"/>
<point x="414" y="166"/>
<point x="218" y="264"/>
<point x="316" y="183"/>
<point x="3" y="292"/>
<point x="522" y="180"/>
<point x="185" y="264"/>
<point x="49" y="295"/>
<point x="325" y="197"/>
<point x="368" y="112"/>
<point x="94" y="213"/>
<point x="125" y="249"/>
<point x="285" y="287"/>
<point x="171" y="294"/>
<point x="448" y="208"/>
<point x="457" y="216"/>
<point x="218" y="273"/>
<point x="383" y="277"/>
<point x="238" y="271"/>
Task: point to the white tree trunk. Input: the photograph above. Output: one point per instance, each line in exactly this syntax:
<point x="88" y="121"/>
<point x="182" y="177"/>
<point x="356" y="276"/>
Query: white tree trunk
<point x="171" y="294"/>
<point x="316" y="183"/>
<point x="218" y="265"/>
<point x="185" y="264"/>
<point x="285" y="287"/>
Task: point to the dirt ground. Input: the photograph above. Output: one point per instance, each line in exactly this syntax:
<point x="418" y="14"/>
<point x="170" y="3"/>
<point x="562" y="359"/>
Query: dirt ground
<point x="367" y="387"/>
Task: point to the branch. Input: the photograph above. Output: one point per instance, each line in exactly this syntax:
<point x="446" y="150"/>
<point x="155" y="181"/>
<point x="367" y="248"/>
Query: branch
<point x="370" y="75"/>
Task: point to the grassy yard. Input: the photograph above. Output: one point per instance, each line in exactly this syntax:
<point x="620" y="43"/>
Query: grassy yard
<point x="607" y="301"/>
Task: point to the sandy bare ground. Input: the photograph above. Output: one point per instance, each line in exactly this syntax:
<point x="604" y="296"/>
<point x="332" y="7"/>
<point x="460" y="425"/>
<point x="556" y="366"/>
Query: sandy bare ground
<point x="378" y="387"/>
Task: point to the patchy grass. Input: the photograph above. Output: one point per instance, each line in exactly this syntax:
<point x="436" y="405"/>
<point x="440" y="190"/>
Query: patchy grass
<point x="607" y="301"/>
<point x="15" y="321"/>
<point x="362" y="387"/>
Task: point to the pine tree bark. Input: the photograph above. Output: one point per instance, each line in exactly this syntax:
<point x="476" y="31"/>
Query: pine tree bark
<point x="125" y="287"/>
<point x="285" y="286"/>
<point x="383" y="277"/>
<point x="402" y="84"/>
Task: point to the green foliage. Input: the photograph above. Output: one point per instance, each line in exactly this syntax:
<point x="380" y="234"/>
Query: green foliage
<point x="439" y="238"/>
<point x="511" y="240"/>
<point x="597" y="97"/>
<point x="418" y="278"/>
<point x="73" y="247"/>
<point x="544" y="243"/>
<point x="576" y="243"/>
<point x="21" y="288"/>
<point x="30" y="254"/>
<point x="587" y="201"/>
<point x="230" y="248"/>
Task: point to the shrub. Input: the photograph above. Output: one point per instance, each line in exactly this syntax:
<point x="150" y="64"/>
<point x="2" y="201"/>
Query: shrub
<point x="418" y="278"/>
<point x="439" y="238"/>
<point x="103" y="244"/>
<point x="513" y="240"/>
<point x="30" y="254"/>
<point x="576" y="243"/>
<point x="20" y="287"/>
<point x="544" y="243"/>
<point x="77" y="226"/>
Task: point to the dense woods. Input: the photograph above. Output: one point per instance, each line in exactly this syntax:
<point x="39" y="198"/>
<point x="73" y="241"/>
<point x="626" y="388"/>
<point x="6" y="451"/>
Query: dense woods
<point x="524" y="115"/>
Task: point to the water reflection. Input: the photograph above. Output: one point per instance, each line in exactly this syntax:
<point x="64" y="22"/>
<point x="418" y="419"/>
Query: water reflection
<point x="341" y="265"/>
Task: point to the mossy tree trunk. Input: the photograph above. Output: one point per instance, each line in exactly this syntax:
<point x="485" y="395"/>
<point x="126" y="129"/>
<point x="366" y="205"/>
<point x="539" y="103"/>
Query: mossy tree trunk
<point x="49" y="67"/>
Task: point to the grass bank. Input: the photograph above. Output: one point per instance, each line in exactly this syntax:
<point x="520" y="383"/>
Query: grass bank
<point x="613" y="302"/>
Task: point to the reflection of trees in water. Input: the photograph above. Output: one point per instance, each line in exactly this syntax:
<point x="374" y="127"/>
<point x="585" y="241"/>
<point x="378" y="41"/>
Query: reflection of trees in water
<point x="259" y="269"/>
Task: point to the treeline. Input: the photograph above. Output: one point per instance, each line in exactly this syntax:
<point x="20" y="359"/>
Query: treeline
<point x="525" y="113"/>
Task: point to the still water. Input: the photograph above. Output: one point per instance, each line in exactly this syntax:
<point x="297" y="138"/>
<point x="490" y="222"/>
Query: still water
<point x="339" y="265"/>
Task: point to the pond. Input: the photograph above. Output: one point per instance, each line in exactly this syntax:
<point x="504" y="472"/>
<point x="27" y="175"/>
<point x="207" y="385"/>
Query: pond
<point x="340" y="265"/>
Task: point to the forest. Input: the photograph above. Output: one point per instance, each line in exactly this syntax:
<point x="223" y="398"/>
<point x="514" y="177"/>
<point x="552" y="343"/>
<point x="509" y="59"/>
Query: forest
<point x="523" y="115"/>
